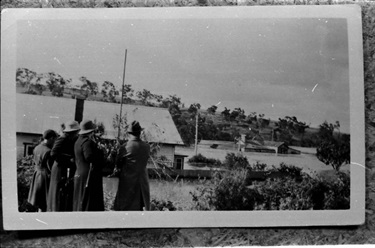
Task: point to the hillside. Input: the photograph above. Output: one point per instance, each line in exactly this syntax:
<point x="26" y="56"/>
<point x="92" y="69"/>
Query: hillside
<point x="269" y="130"/>
<point x="213" y="125"/>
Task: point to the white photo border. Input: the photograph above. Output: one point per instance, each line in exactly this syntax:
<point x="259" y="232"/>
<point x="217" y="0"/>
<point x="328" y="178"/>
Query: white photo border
<point x="14" y="220"/>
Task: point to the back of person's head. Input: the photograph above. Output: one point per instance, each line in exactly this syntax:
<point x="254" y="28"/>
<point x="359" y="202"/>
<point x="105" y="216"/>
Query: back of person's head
<point x="49" y="134"/>
<point x="135" y="128"/>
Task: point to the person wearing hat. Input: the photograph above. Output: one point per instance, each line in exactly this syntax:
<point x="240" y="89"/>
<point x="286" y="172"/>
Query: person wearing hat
<point x="42" y="161"/>
<point x="60" y="195"/>
<point x="88" y="181"/>
<point x="133" y="189"/>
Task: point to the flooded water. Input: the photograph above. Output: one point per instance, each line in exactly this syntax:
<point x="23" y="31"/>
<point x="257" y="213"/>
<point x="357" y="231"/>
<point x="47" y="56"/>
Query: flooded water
<point x="307" y="160"/>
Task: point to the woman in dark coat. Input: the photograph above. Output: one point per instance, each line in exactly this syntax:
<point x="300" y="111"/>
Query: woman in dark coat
<point x="40" y="182"/>
<point x="60" y="195"/>
<point x="88" y="181"/>
<point x="133" y="190"/>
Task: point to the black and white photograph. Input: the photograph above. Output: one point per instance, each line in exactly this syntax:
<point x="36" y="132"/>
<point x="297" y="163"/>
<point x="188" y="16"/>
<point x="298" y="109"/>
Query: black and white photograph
<point x="153" y="112"/>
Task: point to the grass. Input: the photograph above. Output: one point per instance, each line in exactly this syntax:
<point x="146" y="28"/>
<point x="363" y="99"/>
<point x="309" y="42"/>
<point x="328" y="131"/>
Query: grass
<point x="178" y="192"/>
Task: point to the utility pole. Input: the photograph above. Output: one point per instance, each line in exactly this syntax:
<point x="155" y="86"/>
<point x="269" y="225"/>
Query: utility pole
<point x="122" y="98"/>
<point x="196" y="133"/>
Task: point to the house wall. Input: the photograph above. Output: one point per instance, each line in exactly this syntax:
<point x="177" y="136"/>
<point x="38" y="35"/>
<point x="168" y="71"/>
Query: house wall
<point x="167" y="151"/>
<point x="22" y="138"/>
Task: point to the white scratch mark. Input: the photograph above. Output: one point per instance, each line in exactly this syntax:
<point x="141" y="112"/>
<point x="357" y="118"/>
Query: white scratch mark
<point x="272" y="105"/>
<point x="360" y="165"/>
<point x="314" y="87"/>
<point x="41" y="221"/>
<point x="58" y="61"/>
<point x="217" y="104"/>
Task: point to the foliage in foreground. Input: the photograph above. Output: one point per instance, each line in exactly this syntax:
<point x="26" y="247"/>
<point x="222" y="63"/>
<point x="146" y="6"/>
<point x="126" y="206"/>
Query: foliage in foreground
<point x="200" y="159"/>
<point x="25" y="170"/>
<point x="295" y="190"/>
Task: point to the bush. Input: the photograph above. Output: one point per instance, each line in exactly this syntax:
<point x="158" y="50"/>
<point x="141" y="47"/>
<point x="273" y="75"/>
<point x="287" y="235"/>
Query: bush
<point x="228" y="191"/>
<point x="25" y="170"/>
<point x="291" y="171"/>
<point x="161" y="205"/>
<point x="236" y="161"/>
<point x="203" y="160"/>
<point x="231" y="190"/>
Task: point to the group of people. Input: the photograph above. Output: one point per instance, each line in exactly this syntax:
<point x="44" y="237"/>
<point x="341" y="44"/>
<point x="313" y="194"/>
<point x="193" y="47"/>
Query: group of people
<point x="68" y="171"/>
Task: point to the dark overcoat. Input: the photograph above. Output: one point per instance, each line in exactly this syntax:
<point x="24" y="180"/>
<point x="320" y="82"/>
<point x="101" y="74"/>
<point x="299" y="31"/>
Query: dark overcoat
<point x="60" y="195"/>
<point x="88" y="180"/>
<point x="133" y="190"/>
<point x="40" y="181"/>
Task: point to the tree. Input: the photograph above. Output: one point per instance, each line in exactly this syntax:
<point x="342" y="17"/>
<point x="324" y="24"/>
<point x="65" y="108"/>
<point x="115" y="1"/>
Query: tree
<point x="24" y="76"/>
<point x="334" y="151"/>
<point x="109" y="92"/>
<point x="212" y="110"/>
<point x="145" y="96"/>
<point x="187" y="132"/>
<point x="56" y="84"/>
<point x="237" y="114"/>
<point x="226" y="114"/>
<point x="127" y="93"/>
<point x="31" y="80"/>
<point x="193" y="109"/>
<point x="89" y="87"/>
<point x="173" y="104"/>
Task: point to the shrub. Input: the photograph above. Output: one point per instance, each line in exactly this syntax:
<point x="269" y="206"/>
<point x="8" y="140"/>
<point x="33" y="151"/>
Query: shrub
<point x="202" y="198"/>
<point x="161" y="205"/>
<point x="337" y="195"/>
<point x="228" y="191"/>
<point x="289" y="171"/>
<point x="231" y="190"/>
<point x="202" y="159"/>
<point x="235" y="161"/>
<point x="258" y="166"/>
<point x="25" y="170"/>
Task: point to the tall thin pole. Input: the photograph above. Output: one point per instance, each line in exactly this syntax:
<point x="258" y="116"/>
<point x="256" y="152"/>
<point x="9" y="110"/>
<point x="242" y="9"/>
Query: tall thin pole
<point x="196" y="133"/>
<point x="122" y="97"/>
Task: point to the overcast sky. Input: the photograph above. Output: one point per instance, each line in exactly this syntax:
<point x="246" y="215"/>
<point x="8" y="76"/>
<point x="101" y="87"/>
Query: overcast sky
<point x="278" y="67"/>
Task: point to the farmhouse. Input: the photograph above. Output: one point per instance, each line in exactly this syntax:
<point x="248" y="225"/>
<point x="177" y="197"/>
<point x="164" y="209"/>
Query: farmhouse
<point x="35" y="114"/>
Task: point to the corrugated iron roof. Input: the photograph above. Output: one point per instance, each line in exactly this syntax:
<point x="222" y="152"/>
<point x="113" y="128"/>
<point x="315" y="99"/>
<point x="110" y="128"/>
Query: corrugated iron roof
<point x="35" y="114"/>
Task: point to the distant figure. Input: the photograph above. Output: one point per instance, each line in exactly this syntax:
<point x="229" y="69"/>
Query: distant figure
<point x="60" y="196"/>
<point x="88" y="180"/>
<point x="133" y="190"/>
<point x="41" y="178"/>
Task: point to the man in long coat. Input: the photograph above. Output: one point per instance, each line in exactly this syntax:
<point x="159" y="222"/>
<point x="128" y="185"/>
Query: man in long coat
<point x="41" y="178"/>
<point x="88" y="181"/>
<point x="133" y="190"/>
<point x="60" y="195"/>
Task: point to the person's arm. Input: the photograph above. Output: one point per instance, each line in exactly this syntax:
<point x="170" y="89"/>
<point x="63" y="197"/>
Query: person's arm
<point x="88" y="150"/>
<point x="57" y="152"/>
<point x="49" y="161"/>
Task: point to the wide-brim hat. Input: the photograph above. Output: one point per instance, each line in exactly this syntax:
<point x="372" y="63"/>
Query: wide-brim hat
<point x="87" y="126"/>
<point x="71" y="126"/>
<point x="135" y="127"/>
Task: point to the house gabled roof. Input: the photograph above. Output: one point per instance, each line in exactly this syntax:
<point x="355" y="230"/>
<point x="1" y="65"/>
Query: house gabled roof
<point x="35" y="114"/>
